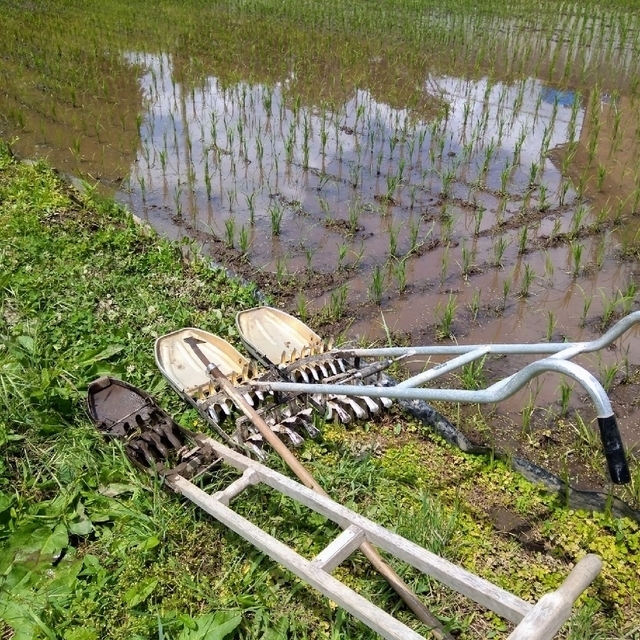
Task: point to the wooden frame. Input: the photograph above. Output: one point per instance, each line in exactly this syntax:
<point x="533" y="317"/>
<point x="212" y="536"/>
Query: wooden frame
<point x="535" y="622"/>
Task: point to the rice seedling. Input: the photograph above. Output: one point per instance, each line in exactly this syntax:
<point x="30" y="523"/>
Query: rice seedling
<point x="534" y="171"/>
<point x="626" y="299"/>
<point x="447" y="179"/>
<point x="359" y="256"/>
<point x="338" y="302"/>
<point x="394" y="231"/>
<point x="543" y="202"/>
<point x="414" y="233"/>
<point x="445" y="315"/>
<point x="177" y="201"/>
<point x="251" y="205"/>
<point x="499" y="247"/>
<point x="506" y="289"/>
<point x="308" y="254"/>
<point x="527" y="415"/>
<point x="601" y="175"/>
<point x="276" y="213"/>
<point x="587" y="436"/>
<point x="447" y="223"/>
<point x="522" y="240"/>
<point x="576" y="250"/>
<point x="230" y="231"/>
<point x="243" y="241"/>
<point x="468" y="257"/>
<point x="342" y="254"/>
<point x="563" y="189"/>
<point x="609" y="305"/>
<point x="400" y="272"/>
<point x="608" y="374"/>
<point x="565" y="397"/>
<point x="474" y="305"/>
<point x="586" y="305"/>
<point x="376" y="287"/>
<point x="354" y="216"/>
<point x="557" y="225"/>
<point x="472" y="375"/>
<point x="577" y="219"/>
<point x="478" y="215"/>
<point x="551" y="325"/>
<point x="302" y="306"/>
<point x="281" y="269"/>
<point x="527" y="279"/>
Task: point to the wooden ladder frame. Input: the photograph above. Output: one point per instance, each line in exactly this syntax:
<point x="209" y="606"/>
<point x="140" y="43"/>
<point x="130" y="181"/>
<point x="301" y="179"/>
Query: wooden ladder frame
<point x="535" y="622"/>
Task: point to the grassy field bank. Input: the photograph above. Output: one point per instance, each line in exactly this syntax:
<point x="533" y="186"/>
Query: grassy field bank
<point x="91" y="549"/>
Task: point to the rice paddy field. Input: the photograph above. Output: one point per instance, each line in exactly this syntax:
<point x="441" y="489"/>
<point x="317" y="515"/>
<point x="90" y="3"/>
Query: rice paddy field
<point x="405" y="172"/>
<point x="425" y="171"/>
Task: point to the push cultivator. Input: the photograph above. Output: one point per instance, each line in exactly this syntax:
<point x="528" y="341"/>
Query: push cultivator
<point x="158" y="445"/>
<point x="304" y="373"/>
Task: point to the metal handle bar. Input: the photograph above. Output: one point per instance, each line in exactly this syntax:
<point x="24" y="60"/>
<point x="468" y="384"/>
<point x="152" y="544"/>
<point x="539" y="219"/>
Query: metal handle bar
<point x="609" y="433"/>
<point x="572" y="348"/>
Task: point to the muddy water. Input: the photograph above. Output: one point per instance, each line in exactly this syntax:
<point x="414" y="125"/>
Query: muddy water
<point x="510" y="200"/>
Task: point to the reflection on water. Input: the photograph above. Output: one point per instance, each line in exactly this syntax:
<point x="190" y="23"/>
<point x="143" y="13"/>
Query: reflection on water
<point x="217" y="152"/>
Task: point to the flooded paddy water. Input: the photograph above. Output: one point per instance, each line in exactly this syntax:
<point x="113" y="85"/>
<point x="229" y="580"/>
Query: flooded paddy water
<point x="408" y="172"/>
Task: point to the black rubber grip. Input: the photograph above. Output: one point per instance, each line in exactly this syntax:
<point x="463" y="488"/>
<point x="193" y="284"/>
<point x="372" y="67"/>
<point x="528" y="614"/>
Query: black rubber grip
<point x="613" y="450"/>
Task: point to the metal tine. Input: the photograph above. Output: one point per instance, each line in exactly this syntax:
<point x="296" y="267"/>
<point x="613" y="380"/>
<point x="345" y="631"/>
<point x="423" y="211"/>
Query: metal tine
<point x="323" y="370"/>
<point x="312" y="431"/>
<point x="249" y="398"/>
<point x="141" y="447"/>
<point x="283" y="358"/>
<point x="153" y="439"/>
<point x="294" y="355"/>
<point x="330" y="343"/>
<point x="296" y="439"/>
<point x="245" y="372"/>
<point x="214" y="414"/>
<point x="314" y="373"/>
<point x="357" y="409"/>
<point x="168" y="434"/>
<point x="329" y="417"/>
<point x="365" y="407"/>
<point x="258" y="451"/>
<point x="295" y="423"/>
<point x="386" y="402"/>
<point x="372" y="404"/>
<point x="303" y="374"/>
<point x="333" y="367"/>
<point x="343" y="416"/>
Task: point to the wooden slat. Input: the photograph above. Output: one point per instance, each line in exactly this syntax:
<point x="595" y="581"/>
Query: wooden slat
<point x="478" y="589"/>
<point x="340" y="549"/>
<point x="248" y="478"/>
<point x="375" y="618"/>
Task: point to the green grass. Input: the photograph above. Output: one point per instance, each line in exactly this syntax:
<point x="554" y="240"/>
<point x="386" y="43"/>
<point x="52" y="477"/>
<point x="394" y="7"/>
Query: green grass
<point x="92" y="549"/>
